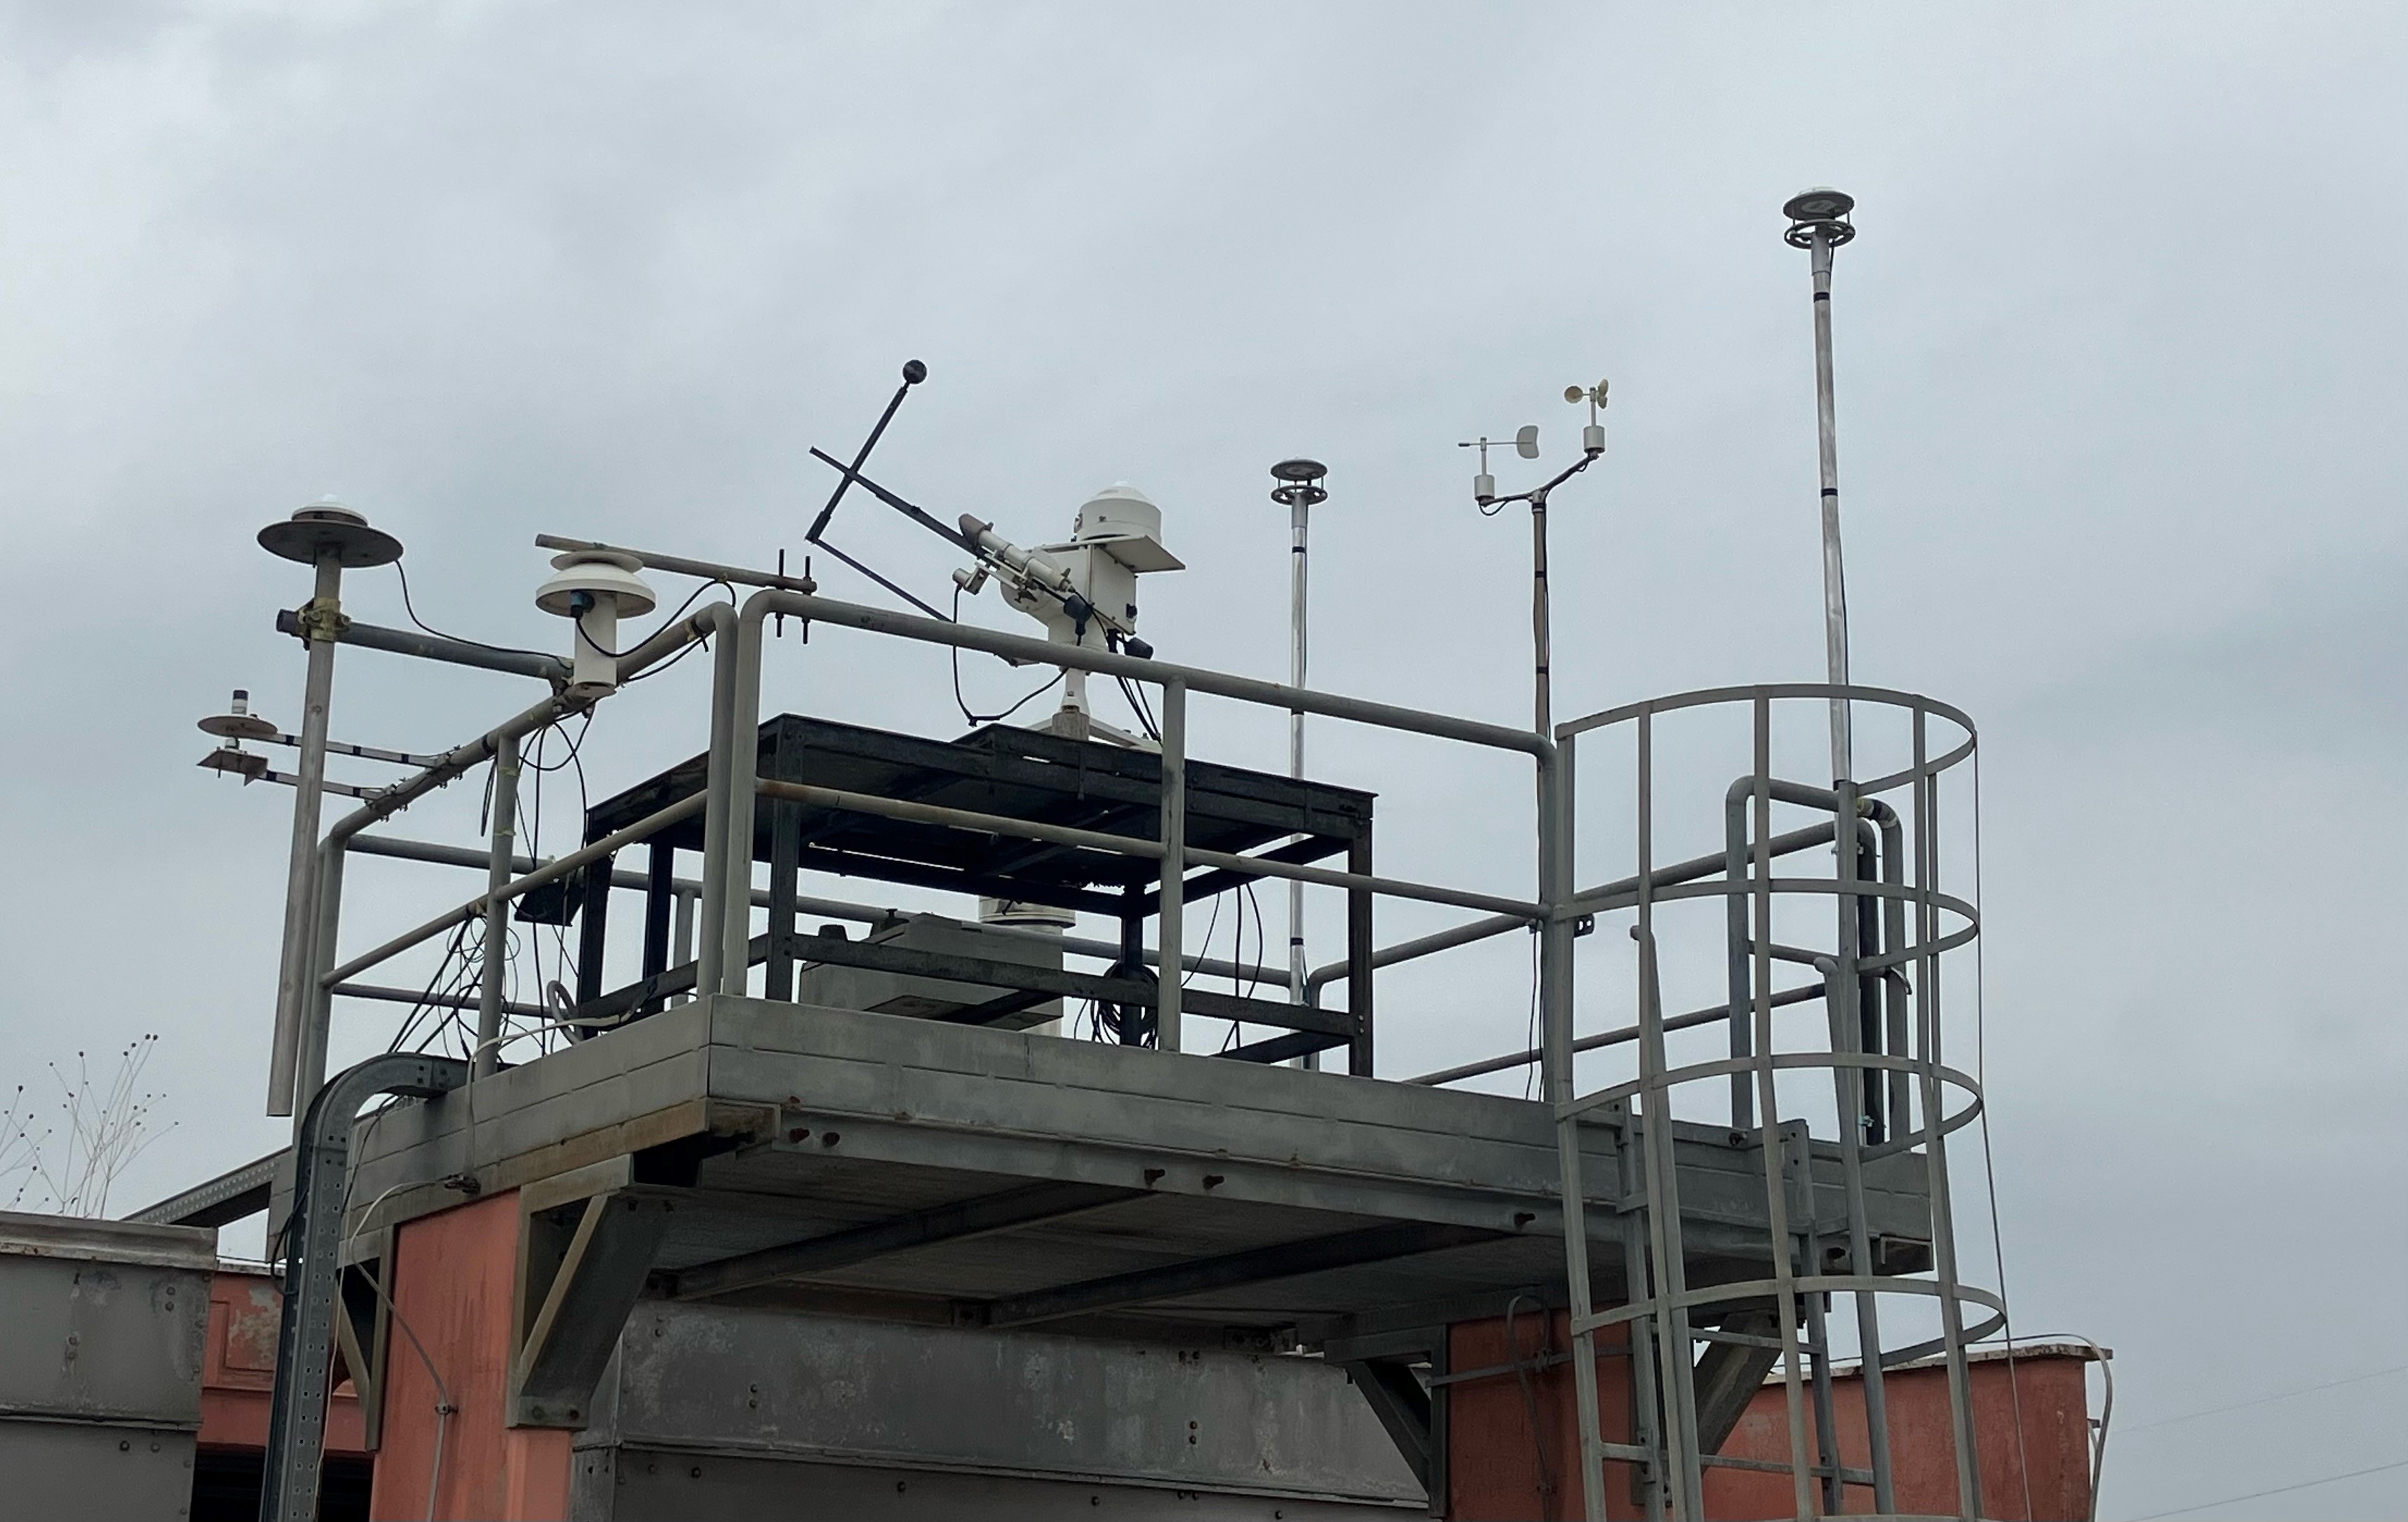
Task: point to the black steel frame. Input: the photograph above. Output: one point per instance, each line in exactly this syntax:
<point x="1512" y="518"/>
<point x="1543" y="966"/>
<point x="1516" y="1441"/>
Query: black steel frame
<point x="1019" y="774"/>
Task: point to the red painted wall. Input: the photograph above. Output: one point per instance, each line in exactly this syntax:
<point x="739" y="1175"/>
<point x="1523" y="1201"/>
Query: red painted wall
<point x="1494" y="1450"/>
<point x="238" y="1368"/>
<point x="2054" y="1445"/>
<point x="452" y="1280"/>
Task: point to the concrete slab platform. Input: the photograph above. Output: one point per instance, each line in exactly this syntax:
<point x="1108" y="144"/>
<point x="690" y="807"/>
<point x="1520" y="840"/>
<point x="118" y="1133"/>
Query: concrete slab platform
<point x="1168" y="1187"/>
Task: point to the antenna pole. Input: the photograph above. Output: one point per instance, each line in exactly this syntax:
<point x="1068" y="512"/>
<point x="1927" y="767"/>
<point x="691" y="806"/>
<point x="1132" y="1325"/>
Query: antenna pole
<point x="1300" y="518"/>
<point x="1835" y="577"/>
<point x="293" y="996"/>
<point x="1299" y="489"/>
<point x="1819" y="224"/>
<point x="1541" y="616"/>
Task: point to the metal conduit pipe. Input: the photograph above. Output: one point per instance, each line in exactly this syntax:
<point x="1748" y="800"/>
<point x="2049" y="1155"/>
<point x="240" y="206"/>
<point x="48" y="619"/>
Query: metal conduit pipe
<point x="368" y="636"/>
<point x="1891" y="931"/>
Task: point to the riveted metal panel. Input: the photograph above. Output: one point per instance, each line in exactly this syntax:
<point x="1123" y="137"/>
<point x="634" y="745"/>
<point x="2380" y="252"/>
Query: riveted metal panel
<point x="712" y="1379"/>
<point x="91" y="1329"/>
<point x="83" y="1469"/>
<point x="665" y="1486"/>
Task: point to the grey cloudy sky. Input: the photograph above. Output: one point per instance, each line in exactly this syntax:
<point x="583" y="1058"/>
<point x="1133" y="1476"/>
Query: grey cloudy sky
<point x="2122" y="383"/>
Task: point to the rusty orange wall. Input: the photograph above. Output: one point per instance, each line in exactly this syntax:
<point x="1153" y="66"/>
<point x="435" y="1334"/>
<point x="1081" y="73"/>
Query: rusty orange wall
<point x="1493" y="1463"/>
<point x="452" y="1282"/>
<point x="1492" y="1451"/>
<point x="238" y="1369"/>
<point x="2054" y="1444"/>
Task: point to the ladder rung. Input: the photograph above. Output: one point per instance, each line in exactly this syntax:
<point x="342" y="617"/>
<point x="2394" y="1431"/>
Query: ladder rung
<point x="1744" y="1339"/>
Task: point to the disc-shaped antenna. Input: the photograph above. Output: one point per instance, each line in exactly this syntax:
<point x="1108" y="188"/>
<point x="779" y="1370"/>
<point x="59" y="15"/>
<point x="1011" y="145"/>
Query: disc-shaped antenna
<point x="328" y="524"/>
<point x="1299" y="482"/>
<point x="238" y="727"/>
<point x="1820" y="205"/>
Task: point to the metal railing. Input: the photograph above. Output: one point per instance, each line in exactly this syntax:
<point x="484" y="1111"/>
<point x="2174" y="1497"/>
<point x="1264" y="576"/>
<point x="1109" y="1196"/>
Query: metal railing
<point x="1880" y="984"/>
<point x="723" y="894"/>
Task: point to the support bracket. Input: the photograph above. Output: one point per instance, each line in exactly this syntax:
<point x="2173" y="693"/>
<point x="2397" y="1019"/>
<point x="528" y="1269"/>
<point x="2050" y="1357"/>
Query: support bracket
<point x="587" y="1239"/>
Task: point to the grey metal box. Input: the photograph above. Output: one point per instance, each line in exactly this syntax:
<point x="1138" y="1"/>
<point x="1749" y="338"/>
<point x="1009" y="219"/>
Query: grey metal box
<point x="103" y="1325"/>
<point x="898" y="993"/>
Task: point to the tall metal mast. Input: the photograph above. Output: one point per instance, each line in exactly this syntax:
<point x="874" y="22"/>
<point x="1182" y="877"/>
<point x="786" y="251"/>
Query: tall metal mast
<point x="329" y="537"/>
<point x="1818" y="223"/>
<point x="1300" y="490"/>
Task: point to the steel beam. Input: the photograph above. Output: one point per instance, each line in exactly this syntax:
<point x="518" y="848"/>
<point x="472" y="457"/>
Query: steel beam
<point x="1255" y="1265"/>
<point x="957" y="1222"/>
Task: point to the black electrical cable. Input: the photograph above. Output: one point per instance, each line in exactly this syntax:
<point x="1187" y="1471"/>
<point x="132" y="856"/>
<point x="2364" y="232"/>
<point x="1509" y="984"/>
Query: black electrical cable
<point x="1136" y="696"/>
<point x="575" y="745"/>
<point x="1263" y="944"/>
<point x="962" y="703"/>
<point x="621" y="655"/>
<point x="1185" y="978"/>
<point x="1530" y="1039"/>
<point x="478" y="644"/>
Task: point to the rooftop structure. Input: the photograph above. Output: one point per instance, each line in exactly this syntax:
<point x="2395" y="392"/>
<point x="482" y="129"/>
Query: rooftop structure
<point x="947" y="1132"/>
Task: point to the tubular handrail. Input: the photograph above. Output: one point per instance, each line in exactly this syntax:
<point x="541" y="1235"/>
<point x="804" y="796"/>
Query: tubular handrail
<point x="897" y="808"/>
<point x="1025" y="649"/>
<point x="1704" y="696"/>
<point x="1613" y="895"/>
<point x="735" y="788"/>
<point x="559" y="867"/>
<point x="1807" y="993"/>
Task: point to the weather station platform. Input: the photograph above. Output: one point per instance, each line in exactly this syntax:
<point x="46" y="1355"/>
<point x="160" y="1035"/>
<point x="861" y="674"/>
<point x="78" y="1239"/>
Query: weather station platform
<point x="778" y="1198"/>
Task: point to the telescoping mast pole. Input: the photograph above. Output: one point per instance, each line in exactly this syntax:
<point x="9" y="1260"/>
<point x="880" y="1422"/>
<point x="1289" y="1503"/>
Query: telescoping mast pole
<point x="1818" y="223"/>
<point x="1299" y="489"/>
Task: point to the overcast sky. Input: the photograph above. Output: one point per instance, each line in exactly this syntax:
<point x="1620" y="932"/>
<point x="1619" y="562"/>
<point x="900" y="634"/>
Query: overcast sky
<point x="2122" y="388"/>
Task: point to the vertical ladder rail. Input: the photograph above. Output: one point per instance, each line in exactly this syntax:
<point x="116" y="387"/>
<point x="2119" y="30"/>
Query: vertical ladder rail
<point x="1555" y="1058"/>
<point x="1646" y="1412"/>
<point x="1676" y="1365"/>
<point x="1767" y="1108"/>
<point x="1841" y="1001"/>
<point x="1935" y="1145"/>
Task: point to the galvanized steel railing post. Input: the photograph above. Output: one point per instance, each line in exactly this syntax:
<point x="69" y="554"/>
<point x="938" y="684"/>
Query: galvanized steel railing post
<point x="497" y="910"/>
<point x="1935" y="1145"/>
<point x="1671" y="1317"/>
<point x="1171" y="930"/>
<point x="1555" y="1079"/>
<point x="743" y="777"/>
<point x="1769" y="1143"/>
<point x="715" y="906"/>
<point x="318" y="1009"/>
